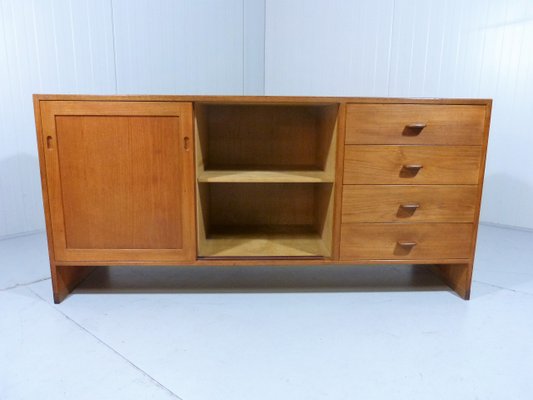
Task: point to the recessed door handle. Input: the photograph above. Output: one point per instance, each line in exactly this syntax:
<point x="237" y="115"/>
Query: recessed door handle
<point x="186" y="144"/>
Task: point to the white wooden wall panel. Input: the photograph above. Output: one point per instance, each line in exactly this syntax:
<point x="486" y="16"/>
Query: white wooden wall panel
<point x="45" y="46"/>
<point x="420" y="48"/>
<point x="341" y="47"/>
<point x="254" y="47"/>
<point x="428" y="48"/>
<point x="105" y="47"/>
<point x="179" y="47"/>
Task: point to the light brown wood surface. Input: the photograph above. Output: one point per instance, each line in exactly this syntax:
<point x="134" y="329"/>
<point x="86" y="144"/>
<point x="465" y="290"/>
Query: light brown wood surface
<point x="65" y="278"/>
<point x="316" y="100"/>
<point x="433" y="203"/>
<point x="120" y="180"/>
<point x="262" y="176"/>
<point x="266" y="137"/>
<point x="370" y="164"/>
<point x="264" y="241"/>
<point x="382" y="241"/>
<point x="388" y="124"/>
<point x="261" y="169"/>
<point x="278" y="181"/>
<point x="457" y="276"/>
<point x="245" y="216"/>
<point x="338" y="186"/>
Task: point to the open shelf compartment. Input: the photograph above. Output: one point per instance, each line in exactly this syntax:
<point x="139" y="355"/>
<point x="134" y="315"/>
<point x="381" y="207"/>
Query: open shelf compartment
<point x="265" y="179"/>
<point x="266" y="142"/>
<point x="265" y="219"/>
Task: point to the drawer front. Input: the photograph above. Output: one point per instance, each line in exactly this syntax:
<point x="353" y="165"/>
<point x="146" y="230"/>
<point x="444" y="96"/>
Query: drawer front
<point x="405" y="241"/>
<point x="415" y="124"/>
<point x="370" y="164"/>
<point x="425" y="203"/>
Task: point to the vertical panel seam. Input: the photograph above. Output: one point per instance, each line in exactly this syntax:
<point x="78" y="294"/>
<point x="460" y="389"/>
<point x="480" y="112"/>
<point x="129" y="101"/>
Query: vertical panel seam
<point x="113" y="45"/>
<point x="91" y="57"/>
<point x="3" y="214"/>
<point x="389" y="57"/>
<point x="264" y="46"/>
<point x="36" y="41"/>
<point x="243" y="87"/>
<point x="72" y="37"/>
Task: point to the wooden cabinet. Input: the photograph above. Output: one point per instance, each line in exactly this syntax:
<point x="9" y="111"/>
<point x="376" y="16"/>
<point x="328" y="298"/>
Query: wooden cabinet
<point x="216" y="180"/>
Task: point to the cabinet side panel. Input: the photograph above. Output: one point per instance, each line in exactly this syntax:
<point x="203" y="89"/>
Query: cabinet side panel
<point x="44" y="185"/>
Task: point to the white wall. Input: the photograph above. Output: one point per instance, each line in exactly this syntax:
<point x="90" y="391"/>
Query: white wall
<point x="107" y="47"/>
<point x="429" y="48"/>
<point x="420" y="48"/>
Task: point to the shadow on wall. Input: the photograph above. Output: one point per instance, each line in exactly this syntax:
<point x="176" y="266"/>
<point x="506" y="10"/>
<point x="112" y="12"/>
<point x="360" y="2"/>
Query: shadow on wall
<point x="21" y="207"/>
<point x="500" y="206"/>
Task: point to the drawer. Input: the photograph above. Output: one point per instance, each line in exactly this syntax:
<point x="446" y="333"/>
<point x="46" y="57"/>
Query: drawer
<point x="370" y="164"/>
<point x="405" y="241"/>
<point x="404" y="203"/>
<point x="415" y="124"/>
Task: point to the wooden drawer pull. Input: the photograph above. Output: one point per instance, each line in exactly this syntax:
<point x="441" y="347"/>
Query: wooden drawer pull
<point x="410" y="207"/>
<point x="413" y="129"/>
<point x="413" y="167"/>
<point x="410" y="170"/>
<point x="417" y="125"/>
<point x="406" y="244"/>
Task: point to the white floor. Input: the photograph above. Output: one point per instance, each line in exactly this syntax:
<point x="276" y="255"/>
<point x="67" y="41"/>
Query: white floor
<point x="259" y="333"/>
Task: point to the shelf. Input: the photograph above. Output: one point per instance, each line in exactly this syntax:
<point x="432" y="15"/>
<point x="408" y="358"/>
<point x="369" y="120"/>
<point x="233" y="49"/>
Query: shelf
<point x="265" y="242"/>
<point x="265" y="179"/>
<point x="236" y="176"/>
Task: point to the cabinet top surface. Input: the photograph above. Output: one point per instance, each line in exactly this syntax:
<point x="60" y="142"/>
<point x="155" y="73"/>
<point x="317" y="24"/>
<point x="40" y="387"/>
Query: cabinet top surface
<point x="259" y="99"/>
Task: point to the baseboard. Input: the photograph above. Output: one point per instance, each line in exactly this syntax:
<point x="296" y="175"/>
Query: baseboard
<point x="504" y="226"/>
<point x="20" y="234"/>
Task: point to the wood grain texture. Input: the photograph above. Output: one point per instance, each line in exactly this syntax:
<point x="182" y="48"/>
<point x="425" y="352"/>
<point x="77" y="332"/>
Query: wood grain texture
<point x="267" y="137"/>
<point x="247" y="215"/>
<point x="370" y="164"/>
<point x="263" y="261"/>
<point x="263" y="99"/>
<point x="386" y="124"/>
<point x="261" y="176"/>
<point x="381" y="241"/>
<point x="457" y="276"/>
<point x="481" y="179"/>
<point x="338" y="186"/>
<point x="120" y="179"/>
<point x="257" y="166"/>
<point x="67" y="278"/>
<point x="120" y="182"/>
<point x="264" y="241"/>
<point x="262" y="204"/>
<point x="383" y="203"/>
<point x="44" y="183"/>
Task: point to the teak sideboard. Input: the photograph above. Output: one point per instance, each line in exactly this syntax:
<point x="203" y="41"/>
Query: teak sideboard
<point x="231" y="180"/>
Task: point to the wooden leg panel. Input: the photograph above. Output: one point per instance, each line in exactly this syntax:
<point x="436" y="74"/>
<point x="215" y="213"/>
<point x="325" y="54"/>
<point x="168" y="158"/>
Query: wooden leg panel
<point x="457" y="276"/>
<point x="65" y="279"/>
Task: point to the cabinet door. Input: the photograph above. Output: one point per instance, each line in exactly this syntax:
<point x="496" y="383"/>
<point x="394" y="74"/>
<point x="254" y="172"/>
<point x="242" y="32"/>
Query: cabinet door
<point x="120" y="180"/>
